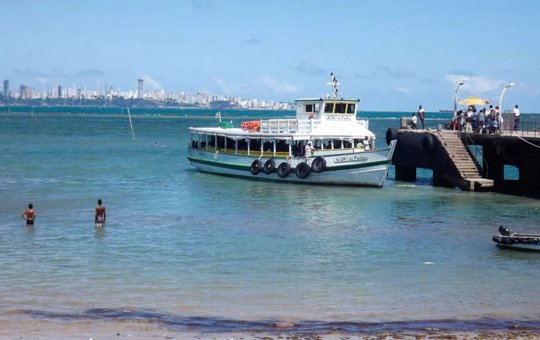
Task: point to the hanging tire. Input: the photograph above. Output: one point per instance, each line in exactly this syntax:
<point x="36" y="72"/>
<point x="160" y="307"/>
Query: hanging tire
<point x="283" y="170"/>
<point x="428" y="143"/>
<point x="391" y="134"/>
<point x="302" y="170"/>
<point x="269" y="166"/>
<point x="256" y="167"/>
<point x="318" y="165"/>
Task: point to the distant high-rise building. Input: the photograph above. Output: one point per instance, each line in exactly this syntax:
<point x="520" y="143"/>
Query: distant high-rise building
<point x="6" y="88"/>
<point x="140" y="88"/>
<point x="22" y="91"/>
<point x="59" y="91"/>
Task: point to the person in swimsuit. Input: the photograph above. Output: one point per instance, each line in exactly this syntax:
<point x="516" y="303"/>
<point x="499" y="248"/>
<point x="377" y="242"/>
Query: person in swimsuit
<point x="29" y="215"/>
<point x="101" y="213"/>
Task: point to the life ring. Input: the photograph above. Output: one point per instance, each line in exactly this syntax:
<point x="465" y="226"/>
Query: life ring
<point x="269" y="166"/>
<point x="256" y="167"/>
<point x="302" y="170"/>
<point x="428" y="143"/>
<point x="283" y="170"/>
<point x="318" y="165"/>
<point x="391" y="134"/>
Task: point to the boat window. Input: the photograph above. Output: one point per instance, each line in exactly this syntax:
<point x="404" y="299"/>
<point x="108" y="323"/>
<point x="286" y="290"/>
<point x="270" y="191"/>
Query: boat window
<point x="309" y="108"/>
<point x="351" y="108"/>
<point x="328" y="107"/>
<point x="316" y="107"/>
<point x="340" y="108"/>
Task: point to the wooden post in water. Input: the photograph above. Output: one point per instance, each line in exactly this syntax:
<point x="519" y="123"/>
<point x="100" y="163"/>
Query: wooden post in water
<point x="131" y="124"/>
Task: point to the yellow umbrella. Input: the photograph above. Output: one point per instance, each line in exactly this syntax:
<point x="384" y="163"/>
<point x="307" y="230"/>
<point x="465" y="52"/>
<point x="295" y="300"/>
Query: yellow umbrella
<point x="473" y="101"/>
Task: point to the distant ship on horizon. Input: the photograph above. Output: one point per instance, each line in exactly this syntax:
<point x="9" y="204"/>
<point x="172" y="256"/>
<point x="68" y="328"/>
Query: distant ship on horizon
<point x="445" y="111"/>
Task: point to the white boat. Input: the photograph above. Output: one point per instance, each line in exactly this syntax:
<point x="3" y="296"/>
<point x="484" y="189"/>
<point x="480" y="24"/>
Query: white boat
<point x="518" y="241"/>
<point x="324" y="144"/>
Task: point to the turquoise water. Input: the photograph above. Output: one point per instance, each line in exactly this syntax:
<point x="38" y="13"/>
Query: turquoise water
<point x="180" y="244"/>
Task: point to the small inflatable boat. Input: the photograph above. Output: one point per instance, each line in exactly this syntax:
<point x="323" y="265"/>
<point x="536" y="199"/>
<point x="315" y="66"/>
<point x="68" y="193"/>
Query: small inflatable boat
<point x="509" y="240"/>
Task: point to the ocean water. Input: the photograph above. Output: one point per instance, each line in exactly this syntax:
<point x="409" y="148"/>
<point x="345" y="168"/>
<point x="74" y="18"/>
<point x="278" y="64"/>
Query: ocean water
<point x="207" y="252"/>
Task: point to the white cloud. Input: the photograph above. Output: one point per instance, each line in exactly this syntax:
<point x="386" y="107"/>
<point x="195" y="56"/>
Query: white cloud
<point x="402" y="89"/>
<point x="228" y="88"/>
<point x="42" y="81"/>
<point x="396" y="72"/>
<point x="276" y="86"/>
<point x="477" y="85"/>
<point x="151" y="83"/>
<point x="309" y="68"/>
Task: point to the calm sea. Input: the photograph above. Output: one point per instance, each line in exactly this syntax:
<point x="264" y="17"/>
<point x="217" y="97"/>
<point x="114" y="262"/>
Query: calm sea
<point x="208" y="252"/>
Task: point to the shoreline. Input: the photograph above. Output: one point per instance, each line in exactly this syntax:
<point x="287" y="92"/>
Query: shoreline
<point x="107" y="329"/>
<point x="148" y="324"/>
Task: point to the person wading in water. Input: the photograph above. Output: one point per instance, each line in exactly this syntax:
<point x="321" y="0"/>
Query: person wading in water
<point x="101" y="213"/>
<point x="29" y="215"/>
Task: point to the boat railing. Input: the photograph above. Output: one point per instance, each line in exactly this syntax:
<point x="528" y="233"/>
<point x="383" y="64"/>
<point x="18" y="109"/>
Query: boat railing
<point x="307" y="126"/>
<point x="279" y="125"/>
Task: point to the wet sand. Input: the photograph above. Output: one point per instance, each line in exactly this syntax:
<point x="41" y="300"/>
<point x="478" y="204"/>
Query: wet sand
<point x="95" y="330"/>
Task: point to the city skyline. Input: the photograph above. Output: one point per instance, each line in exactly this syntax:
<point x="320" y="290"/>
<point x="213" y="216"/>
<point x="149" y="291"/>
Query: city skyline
<point x="22" y="92"/>
<point x="393" y="55"/>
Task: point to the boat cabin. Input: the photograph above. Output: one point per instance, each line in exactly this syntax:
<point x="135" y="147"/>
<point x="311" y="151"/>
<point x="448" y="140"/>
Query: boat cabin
<point x="327" y="109"/>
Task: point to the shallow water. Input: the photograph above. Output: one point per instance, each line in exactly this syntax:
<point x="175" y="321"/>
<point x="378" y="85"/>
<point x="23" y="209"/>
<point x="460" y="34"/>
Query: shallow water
<point x="180" y="244"/>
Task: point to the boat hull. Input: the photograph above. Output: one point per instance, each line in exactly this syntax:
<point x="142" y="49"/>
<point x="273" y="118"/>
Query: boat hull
<point x="354" y="168"/>
<point x="516" y="241"/>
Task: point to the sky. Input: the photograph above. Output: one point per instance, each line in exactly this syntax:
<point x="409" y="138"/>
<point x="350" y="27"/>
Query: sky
<point x="393" y="55"/>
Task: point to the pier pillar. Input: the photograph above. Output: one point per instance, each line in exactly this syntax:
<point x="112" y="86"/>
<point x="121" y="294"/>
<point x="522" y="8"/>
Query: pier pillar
<point x="440" y="181"/>
<point x="529" y="178"/>
<point x="493" y="166"/>
<point x="405" y="173"/>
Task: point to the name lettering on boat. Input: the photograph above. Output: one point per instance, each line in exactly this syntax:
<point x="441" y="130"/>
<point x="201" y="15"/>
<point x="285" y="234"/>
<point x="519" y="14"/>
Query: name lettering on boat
<point x="340" y="118"/>
<point x="351" y="158"/>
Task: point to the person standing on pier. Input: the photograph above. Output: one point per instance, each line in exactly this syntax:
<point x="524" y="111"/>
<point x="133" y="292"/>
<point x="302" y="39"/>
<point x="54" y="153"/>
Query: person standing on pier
<point x="516" y="117"/>
<point x="421" y="115"/>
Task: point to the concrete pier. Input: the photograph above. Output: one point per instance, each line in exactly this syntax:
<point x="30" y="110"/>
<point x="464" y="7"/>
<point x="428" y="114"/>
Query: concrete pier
<point x="469" y="161"/>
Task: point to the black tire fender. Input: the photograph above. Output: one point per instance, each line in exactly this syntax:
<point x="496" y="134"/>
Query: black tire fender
<point x="428" y="143"/>
<point x="391" y="134"/>
<point x="256" y="167"/>
<point x="318" y="165"/>
<point x="302" y="170"/>
<point x="283" y="170"/>
<point x="269" y="166"/>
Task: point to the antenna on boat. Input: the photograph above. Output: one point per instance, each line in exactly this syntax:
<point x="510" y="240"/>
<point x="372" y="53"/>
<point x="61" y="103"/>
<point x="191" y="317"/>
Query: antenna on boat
<point x="131" y="124"/>
<point x="334" y="83"/>
<point x="218" y="116"/>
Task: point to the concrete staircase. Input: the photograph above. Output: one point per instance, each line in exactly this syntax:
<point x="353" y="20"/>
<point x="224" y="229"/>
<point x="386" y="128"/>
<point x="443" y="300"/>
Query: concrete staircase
<point x="463" y="161"/>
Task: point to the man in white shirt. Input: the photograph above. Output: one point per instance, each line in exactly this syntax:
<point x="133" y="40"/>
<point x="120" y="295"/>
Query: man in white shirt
<point x="421" y="115"/>
<point x="413" y="121"/>
<point x="367" y="144"/>
<point x="308" y="150"/>
<point x="516" y="117"/>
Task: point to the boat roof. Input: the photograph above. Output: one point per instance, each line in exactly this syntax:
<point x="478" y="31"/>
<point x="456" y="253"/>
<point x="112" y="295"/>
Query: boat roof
<point x="328" y="130"/>
<point x="347" y="100"/>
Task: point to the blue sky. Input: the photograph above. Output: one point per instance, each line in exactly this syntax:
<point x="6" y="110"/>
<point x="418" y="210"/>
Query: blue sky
<point x="393" y="55"/>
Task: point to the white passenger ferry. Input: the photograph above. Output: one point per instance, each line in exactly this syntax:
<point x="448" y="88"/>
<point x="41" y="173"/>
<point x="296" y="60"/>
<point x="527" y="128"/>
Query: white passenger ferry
<point x="324" y="144"/>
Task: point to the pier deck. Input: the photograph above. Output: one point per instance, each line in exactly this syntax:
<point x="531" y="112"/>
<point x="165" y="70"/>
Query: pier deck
<point x="470" y="161"/>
